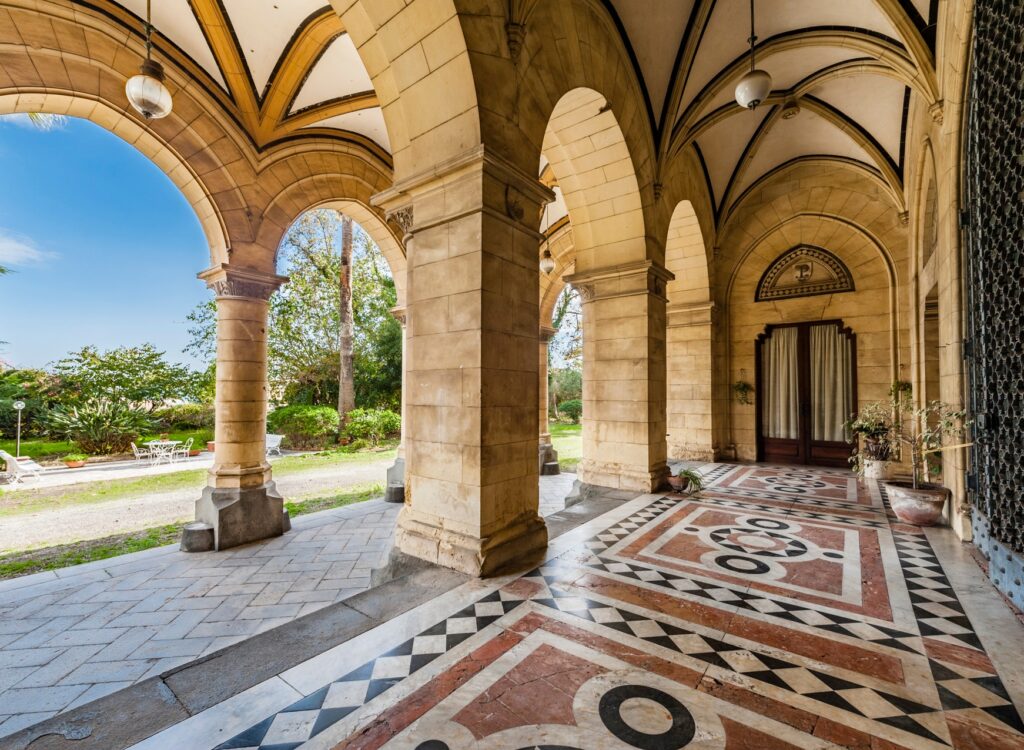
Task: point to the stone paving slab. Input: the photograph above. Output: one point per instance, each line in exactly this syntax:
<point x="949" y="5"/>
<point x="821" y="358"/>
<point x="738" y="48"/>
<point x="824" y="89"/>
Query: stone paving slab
<point x="73" y="636"/>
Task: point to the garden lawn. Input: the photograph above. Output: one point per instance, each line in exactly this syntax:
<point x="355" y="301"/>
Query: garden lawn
<point x="65" y="555"/>
<point x="568" y="441"/>
<point x="44" y="449"/>
<point x="49" y="498"/>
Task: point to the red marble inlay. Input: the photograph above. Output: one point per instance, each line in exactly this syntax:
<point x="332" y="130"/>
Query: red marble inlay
<point x="973" y="735"/>
<point x="776" y="480"/>
<point x="823" y="575"/>
<point x="843" y="655"/>
<point x="538" y="690"/>
<point x="741" y="737"/>
<point x="956" y="654"/>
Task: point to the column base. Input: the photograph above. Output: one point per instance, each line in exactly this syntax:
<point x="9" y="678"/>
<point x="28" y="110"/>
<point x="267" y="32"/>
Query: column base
<point x="395" y="490"/>
<point x="237" y="516"/>
<point x="619" y="477"/>
<point x="547" y="460"/>
<point x="582" y="491"/>
<point x="519" y="545"/>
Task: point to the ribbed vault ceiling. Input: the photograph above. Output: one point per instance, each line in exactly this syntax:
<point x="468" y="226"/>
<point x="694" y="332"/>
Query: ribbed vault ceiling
<point x="284" y="67"/>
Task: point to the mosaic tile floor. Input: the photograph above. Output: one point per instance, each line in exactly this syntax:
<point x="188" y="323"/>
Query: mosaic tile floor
<point x="780" y="608"/>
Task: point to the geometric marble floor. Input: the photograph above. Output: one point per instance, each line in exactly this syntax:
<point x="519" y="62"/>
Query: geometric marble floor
<point x="779" y="608"/>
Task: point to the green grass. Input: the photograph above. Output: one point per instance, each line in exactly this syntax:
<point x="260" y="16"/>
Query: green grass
<point x="65" y="555"/>
<point x="568" y="441"/>
<point x="52" y="498"/>
<point x="45" y="449"/>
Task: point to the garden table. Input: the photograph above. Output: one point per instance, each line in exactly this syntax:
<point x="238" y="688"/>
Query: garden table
<point x="163" y="450"/>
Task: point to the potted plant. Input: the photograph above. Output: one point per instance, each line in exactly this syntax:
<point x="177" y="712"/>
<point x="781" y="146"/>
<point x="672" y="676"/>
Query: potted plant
<point x="923" y="431"/>
<point x="870" y="432"/>
<point x="686" y="480"/>
<point x="75" y="460"/>
<point x="210" y="446"/>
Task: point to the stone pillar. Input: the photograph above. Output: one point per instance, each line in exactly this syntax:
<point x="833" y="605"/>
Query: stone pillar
<point x="471" y="374"/>
<point x="547" y="455"/>
<point x="690" y="418"/>
<point x="395" y="490"/>
<point x="240" y="503"/>
<point x="624" y="390"/>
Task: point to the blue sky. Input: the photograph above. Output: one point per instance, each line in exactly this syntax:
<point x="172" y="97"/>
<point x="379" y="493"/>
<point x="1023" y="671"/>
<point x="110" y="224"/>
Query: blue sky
<point x="103" y="246"/>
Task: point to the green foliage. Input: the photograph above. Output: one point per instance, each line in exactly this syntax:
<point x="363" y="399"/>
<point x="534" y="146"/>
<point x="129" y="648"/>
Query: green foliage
<point x="303" y="346"/>
<point x="566" y="347"/>
<point x="38" y="389"/>
<point x="305" y="427"/>
<point x="372" y="424"/>
<point x="138" y="376"/>
<point x="75" y="457"/>
<point x="572" y="409"/>
<point x="358" y="445"/>
<point x="184" y="416"/>
<point x="98" y="427"/>
<point x="565" y="384"/>
<point x="695" y="479"/>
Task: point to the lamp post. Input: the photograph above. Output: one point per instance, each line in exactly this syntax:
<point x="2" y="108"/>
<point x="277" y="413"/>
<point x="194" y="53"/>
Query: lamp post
<point x="18" y="406"/>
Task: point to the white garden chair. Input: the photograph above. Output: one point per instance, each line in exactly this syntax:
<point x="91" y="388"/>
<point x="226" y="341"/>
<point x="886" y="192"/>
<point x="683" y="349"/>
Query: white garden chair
<point x="183" y="450"/>
<point x="274" y="444"/>
<point x="19" y="468"/>
<point x="142" y="454"/>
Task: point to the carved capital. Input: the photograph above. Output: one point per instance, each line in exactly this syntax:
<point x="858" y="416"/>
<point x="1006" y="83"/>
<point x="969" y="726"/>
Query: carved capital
<point x="241" y="283"/>
<point x="936" y="111"/>
<point x="515" y="35"/>
<point x="399" y="314"/>
<point x="547" y="333"/>
<point x="403" y="218"/>
<point x="904" y="218"/>
<point x="626" y="280"/>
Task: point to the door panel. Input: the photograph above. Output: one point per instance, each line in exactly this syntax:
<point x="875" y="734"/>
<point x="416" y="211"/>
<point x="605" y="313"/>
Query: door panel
<point x="806" y="390"/>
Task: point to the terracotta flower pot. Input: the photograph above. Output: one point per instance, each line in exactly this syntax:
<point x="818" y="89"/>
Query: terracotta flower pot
<point x="920" y="507"/>
<point x="679" y="484"/>
<point x="194" y="452"/>
<point x="209" y="446"/>
<point x="74" y="464"/>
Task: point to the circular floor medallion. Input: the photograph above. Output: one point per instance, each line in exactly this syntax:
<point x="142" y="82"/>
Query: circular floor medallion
<point x="742" y="564"/>
<point x="681" y="726"/>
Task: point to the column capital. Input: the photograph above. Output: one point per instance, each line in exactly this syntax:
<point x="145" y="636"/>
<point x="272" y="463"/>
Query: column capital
<point x="547" y="333"/>
<point x="246" y="283"/>
<point x="399" y="314"/>
<point x="625" y="280"/>
<point x="403" y="217"/>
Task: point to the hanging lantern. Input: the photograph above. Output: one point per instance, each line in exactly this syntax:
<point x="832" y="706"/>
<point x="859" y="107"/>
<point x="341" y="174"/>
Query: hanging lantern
<point x="547" y="263"/>
<point x="755" y="86"/>
<point x="146" y="92"/>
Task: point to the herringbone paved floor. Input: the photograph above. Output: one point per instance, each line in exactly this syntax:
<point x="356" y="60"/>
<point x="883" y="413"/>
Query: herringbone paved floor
<point x="67" y="641"/>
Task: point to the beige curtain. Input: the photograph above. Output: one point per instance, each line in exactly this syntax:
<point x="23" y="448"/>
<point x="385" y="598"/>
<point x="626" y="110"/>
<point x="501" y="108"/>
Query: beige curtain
<point x="781" y="389"/>
<point x="831" y="383"/>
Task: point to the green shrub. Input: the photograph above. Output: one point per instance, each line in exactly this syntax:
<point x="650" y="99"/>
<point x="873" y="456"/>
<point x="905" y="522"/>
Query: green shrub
<point x="305" y="427"/>
<point x="573" y="409"/>
<point x="359" y="444"/>
<point x="98" y="427"/>
<point x="185" y="417"/>
<point x="372" y="424"/>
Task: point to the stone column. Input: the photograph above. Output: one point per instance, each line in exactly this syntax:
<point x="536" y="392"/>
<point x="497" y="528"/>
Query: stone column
<point x="690" y="417"/>
<point x="624" y="390"/>
<point x="241" y="503"/>
<point x="395" y="490"/>
<point x="472" y="382"/>
<point x="548" y="456"/>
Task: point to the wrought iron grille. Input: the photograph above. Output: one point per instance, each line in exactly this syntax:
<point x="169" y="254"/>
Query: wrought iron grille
<point x="995" y="264"/>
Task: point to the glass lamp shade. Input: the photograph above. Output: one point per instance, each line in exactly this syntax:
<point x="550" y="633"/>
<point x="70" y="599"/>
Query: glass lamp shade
<point x="147" y="93"/>
<point x="547" y="263"/>
<point x="753" y="89"/>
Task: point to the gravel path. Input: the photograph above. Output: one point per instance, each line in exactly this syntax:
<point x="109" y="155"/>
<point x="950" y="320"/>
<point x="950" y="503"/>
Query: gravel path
<point x="130" y="514"/>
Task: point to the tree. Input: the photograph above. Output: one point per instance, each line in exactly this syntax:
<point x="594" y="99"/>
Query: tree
<point x="347" y="385"/>
<point x="565" y="352"/>
<point x="304" y="337"/>
<point x="137" y="376"/>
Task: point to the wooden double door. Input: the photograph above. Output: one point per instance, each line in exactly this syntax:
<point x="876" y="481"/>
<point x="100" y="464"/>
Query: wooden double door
<point x="806" y="391"/>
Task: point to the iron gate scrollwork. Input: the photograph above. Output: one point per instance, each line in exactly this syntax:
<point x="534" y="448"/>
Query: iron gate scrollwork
<point x="995" y="266"/>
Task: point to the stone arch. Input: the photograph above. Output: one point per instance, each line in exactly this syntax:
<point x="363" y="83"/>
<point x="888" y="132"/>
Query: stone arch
<point x="420" y="65"/>
<point x="587" y="152"/>
<point x="689" y="339"/>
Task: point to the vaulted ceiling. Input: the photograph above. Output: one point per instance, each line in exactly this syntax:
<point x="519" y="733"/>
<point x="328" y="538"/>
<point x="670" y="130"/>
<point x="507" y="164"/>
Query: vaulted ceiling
<point x="281" y="67"/>
<point x="849" y="65"/>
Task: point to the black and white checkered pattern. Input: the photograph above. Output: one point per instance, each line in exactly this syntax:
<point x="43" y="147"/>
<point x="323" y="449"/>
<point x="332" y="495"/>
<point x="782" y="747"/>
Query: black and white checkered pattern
<point x="314" y="713"/>
<point x="838" y="692"/>
<point x="760" y="604"/>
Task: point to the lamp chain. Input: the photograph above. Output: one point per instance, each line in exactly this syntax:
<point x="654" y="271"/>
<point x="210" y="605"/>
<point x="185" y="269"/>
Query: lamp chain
<point x="149" y="30"/>
<point x="753" y="36"/>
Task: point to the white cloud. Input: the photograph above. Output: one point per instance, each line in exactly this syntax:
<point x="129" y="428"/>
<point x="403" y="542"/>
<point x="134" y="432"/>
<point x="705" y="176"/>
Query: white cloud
<point x="20" y="251"/>
<point x="40" y="122"/>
